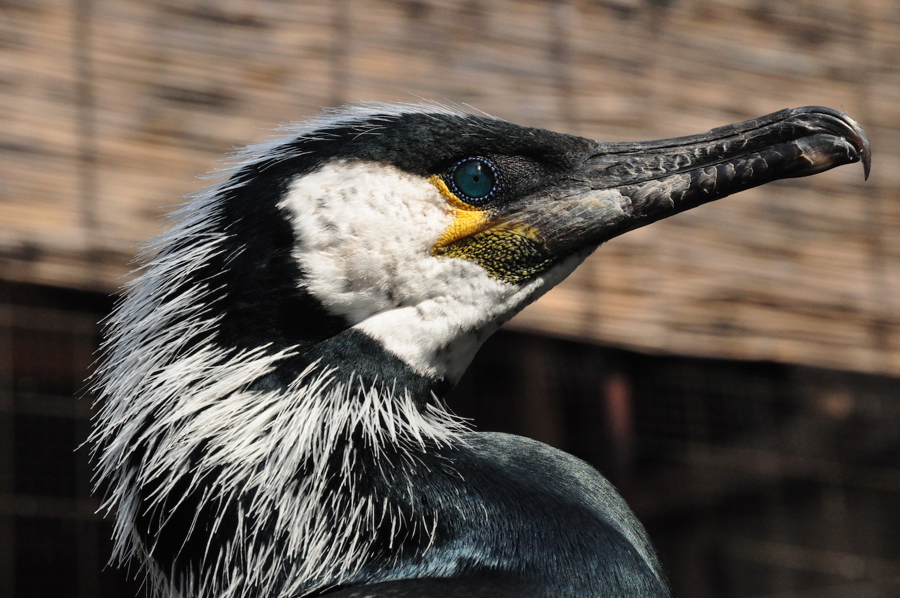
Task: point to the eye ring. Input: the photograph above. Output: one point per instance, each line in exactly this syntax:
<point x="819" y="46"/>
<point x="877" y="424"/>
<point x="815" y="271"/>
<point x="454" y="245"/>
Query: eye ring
<point x="474" y="180"/>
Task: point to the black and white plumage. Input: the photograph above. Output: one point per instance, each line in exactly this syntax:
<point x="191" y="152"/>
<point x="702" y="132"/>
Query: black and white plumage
<point x="271" y="421"/>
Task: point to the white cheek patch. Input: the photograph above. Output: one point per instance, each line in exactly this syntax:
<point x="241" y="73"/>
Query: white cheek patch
<point x="365" y="233"/>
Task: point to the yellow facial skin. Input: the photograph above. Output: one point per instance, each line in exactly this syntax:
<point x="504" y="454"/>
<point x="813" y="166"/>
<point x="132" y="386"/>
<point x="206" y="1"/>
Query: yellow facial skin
<point x="511" y="251"/>
<point x="467" y="220"/>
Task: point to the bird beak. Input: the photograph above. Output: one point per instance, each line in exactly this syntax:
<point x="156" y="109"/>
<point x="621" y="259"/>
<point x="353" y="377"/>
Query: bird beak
<point x="618" y="187"/>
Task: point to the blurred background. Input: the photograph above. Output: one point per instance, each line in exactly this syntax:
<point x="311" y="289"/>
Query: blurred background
<point x="735" y="370"/>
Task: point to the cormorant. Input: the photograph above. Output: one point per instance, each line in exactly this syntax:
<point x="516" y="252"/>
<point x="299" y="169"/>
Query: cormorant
<point x="271" y="420"/>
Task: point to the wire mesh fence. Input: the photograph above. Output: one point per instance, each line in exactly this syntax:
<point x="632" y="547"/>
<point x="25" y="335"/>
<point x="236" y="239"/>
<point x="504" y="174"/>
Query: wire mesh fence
<point x="754" y="479"/>
<point x="52" y="541"/>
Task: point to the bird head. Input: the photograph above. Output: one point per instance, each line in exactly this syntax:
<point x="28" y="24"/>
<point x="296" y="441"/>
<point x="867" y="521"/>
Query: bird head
<point x="425" y="228"/>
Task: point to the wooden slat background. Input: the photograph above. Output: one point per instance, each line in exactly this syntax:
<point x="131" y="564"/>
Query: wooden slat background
<point x="110" y="108"/>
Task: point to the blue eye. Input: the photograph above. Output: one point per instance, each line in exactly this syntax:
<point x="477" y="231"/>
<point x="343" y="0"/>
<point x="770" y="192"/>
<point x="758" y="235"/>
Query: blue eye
<point x="474" y="179"/>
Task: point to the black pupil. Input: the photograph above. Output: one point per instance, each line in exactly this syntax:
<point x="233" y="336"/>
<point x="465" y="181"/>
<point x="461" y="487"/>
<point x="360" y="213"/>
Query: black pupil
<point x="474" y="178"/>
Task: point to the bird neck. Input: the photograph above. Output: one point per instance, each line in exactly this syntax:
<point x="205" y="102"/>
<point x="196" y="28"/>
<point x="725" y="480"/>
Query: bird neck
<point x="281" y="464"/>
<point x="284" y="472"/>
